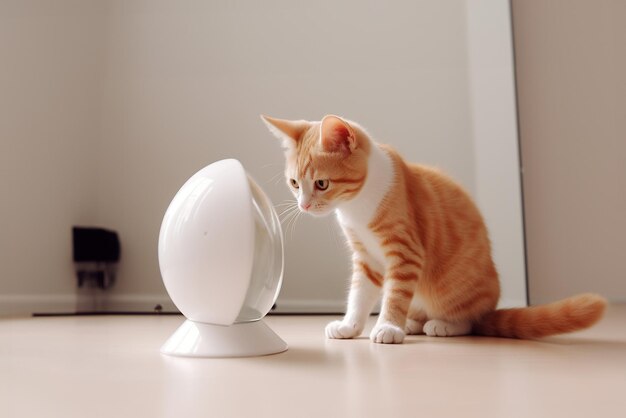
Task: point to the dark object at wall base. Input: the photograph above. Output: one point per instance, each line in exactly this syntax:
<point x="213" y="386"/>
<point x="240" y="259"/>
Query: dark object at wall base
<point x="96" y="253"/>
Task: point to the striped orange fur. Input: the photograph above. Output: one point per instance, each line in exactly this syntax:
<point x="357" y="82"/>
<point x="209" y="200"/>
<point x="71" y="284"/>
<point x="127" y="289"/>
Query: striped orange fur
<point x="417" y="238"/>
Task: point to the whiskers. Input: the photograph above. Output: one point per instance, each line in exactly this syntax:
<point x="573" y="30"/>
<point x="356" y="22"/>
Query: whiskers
<point x="277" y="177"/>
<point x="289" y="214"/>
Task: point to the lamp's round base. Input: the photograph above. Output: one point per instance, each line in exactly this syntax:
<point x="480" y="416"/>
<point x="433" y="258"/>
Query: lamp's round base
<point x="196" y="339"/>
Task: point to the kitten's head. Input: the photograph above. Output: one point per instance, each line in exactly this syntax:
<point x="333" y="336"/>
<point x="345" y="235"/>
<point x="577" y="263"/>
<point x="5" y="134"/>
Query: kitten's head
<point x="326" y="162"/>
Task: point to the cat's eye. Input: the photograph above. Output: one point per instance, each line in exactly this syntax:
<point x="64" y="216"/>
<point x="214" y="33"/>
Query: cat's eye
<point x="322" y="184"/>
<point x="294" y="183"/>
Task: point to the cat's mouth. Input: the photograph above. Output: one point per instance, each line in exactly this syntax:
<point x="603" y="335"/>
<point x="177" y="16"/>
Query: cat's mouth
<point x="318" y="211"/>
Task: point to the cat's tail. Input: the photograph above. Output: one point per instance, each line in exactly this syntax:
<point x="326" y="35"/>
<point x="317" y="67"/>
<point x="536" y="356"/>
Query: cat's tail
<point x="567" y="315"/>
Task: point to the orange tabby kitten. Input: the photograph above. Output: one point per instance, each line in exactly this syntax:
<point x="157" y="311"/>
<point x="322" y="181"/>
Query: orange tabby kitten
<point x="416" y="236"/>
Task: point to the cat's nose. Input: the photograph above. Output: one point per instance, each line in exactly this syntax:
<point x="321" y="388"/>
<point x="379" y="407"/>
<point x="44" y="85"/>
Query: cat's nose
<point x="305" y="206"/>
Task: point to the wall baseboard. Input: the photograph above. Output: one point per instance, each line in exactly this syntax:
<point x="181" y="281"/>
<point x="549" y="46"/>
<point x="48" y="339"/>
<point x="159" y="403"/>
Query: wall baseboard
<point x="339" y="306"/>
<point x="309" y="306"/>
<point x="97" y="301"/>
<point x="27" y="304"/>
<point x="139" y="303"/>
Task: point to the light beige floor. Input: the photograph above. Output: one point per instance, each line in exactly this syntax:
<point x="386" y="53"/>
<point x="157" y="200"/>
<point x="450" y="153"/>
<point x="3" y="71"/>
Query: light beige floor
<point x="111" y="367"/>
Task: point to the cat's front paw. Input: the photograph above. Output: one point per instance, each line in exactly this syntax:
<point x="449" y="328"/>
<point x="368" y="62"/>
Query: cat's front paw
<point x="387" y="334"/>
<point x="343" y="329"/>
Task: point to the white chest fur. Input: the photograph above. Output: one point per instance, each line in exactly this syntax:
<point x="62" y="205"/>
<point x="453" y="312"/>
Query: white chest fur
<point x="357" y="213"/>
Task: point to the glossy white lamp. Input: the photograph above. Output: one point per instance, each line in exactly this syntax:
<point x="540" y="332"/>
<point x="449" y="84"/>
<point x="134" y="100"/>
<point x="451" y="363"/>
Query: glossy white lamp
<point x="221" y="259"/>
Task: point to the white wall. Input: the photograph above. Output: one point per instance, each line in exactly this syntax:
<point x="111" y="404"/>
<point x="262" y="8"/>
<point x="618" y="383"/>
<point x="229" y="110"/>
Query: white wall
<point x="185" y="83"/>
<point x="571" y="69"/>
<point x="49" y="114"/>
<point x="174" y="86"/>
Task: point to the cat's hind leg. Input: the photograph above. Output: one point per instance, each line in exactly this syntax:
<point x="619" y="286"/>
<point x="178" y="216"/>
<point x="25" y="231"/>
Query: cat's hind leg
<point x="416" y="318"/>
<point x="442" y="328"/>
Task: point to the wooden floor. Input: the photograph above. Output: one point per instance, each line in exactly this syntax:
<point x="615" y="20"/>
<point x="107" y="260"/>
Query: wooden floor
<point x="110" y="366"/>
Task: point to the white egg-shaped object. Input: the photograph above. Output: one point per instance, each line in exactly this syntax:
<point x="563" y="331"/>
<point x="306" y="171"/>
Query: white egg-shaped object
<point x="221" y="260"/>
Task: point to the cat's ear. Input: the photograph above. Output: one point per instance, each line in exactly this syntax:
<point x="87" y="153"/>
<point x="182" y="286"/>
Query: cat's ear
<point x="289" y="131"/>
<point x="337" y="135"/>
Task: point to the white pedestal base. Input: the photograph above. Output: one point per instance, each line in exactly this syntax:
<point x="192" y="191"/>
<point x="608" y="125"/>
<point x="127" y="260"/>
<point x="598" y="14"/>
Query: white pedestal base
<point x="195" y="339"/>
